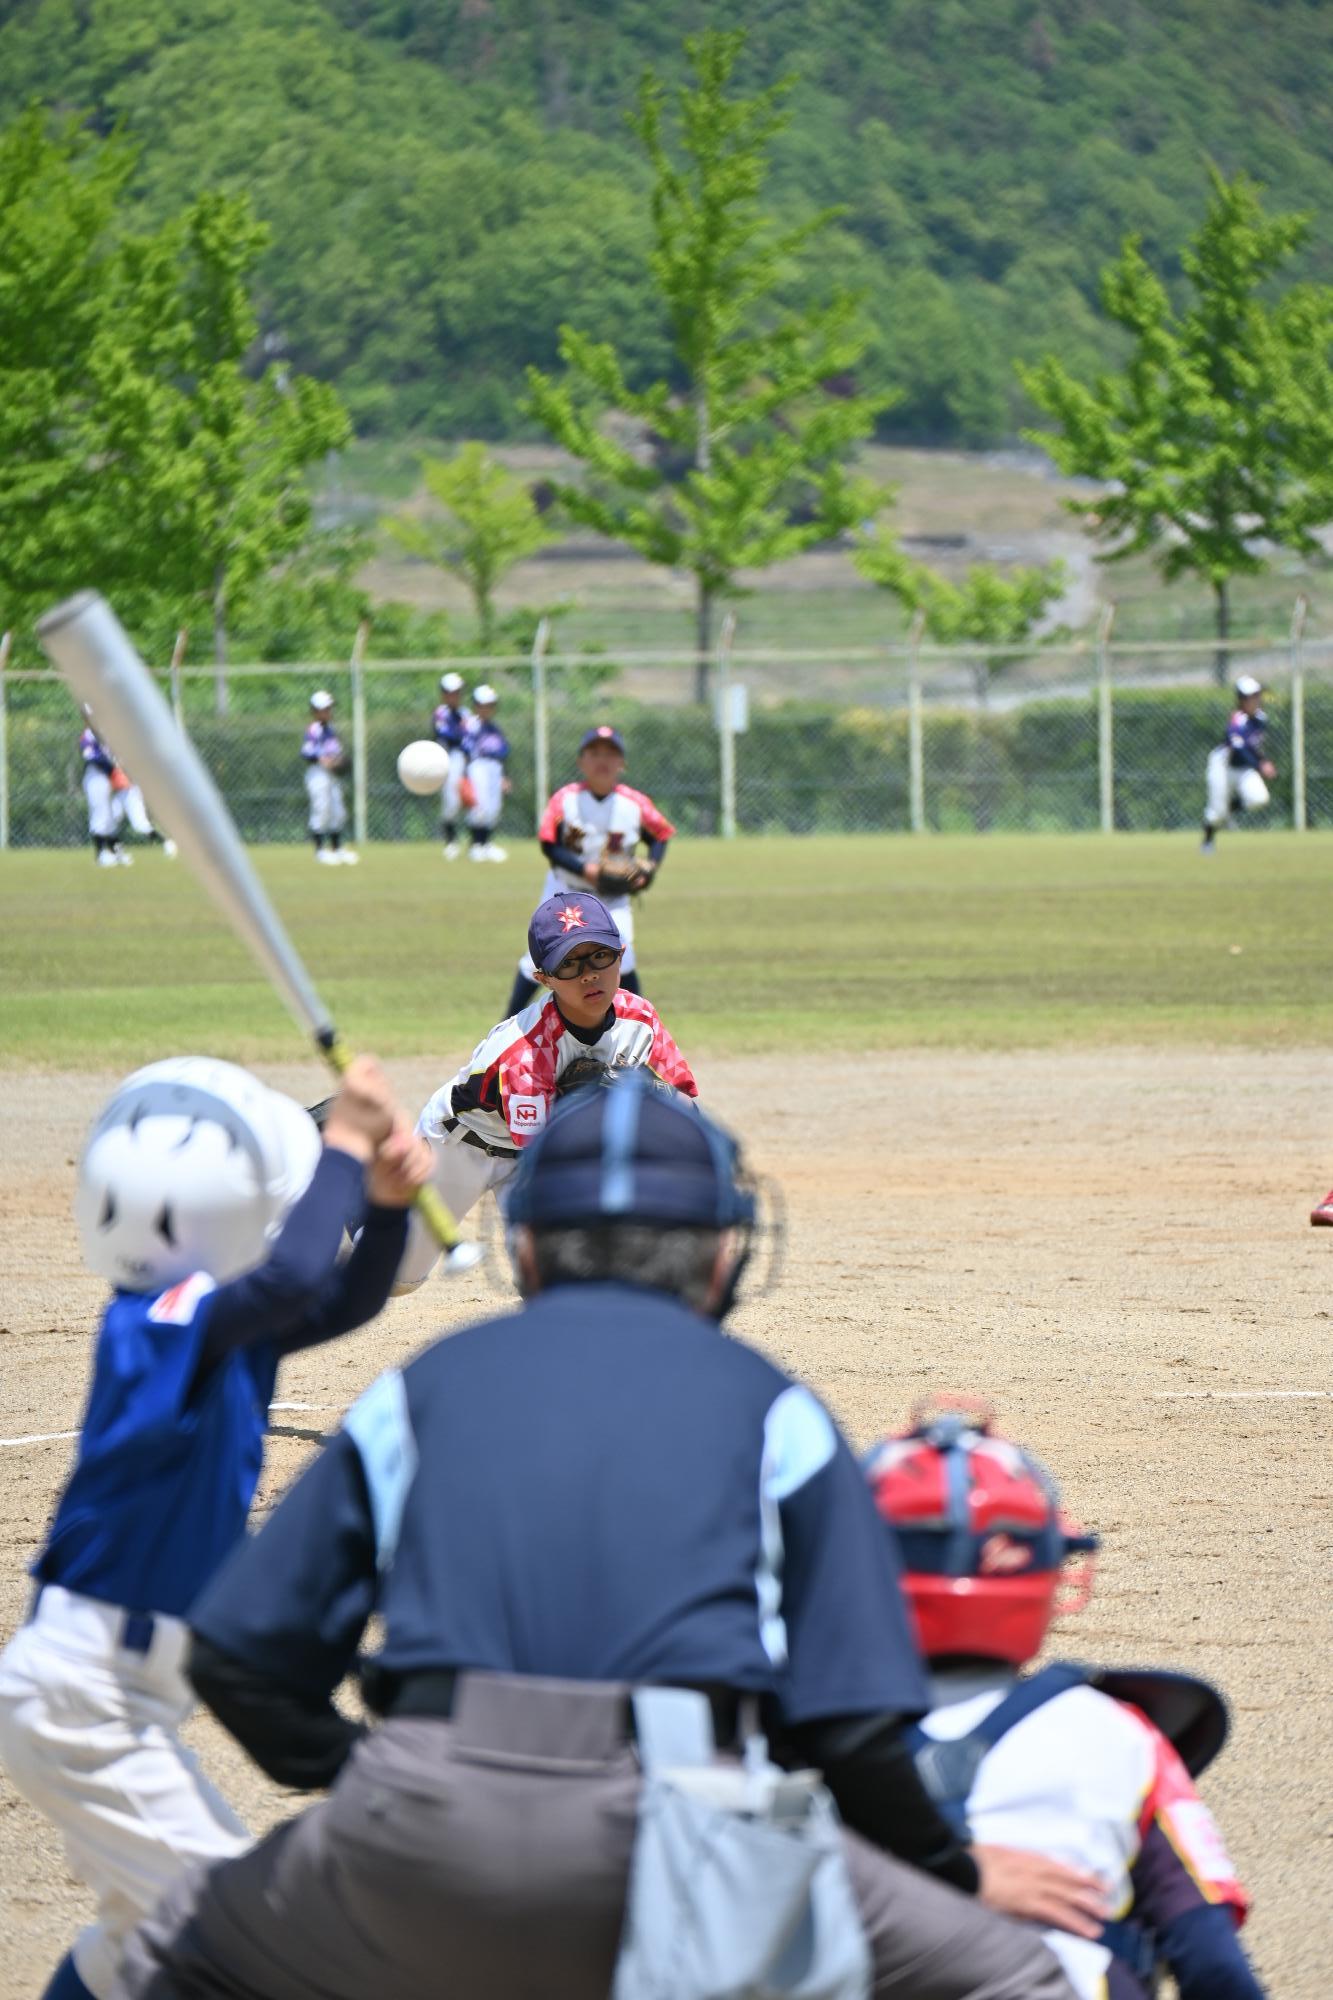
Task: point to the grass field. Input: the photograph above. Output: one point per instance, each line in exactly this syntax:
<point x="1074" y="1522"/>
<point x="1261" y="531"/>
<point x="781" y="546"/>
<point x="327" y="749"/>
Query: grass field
<point x="760" y="946"/>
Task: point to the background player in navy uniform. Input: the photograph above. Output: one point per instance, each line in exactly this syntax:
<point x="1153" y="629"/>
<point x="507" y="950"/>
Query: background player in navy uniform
<point x="103" y="819"/>
<point x="591" y="832"/>
<point x="1239" y="773"/>
<point x="450" y="724"/>
<point x="324" y="758"/>
<point x="596" y="1492"/>
<point x="206" y="1200"/>
<point x="487" y="754"/>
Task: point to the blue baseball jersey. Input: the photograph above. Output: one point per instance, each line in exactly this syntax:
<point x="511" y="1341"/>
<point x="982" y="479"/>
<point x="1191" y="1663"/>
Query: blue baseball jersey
<point x="451" y="726"/>
<point x="95" y="755"/>
<point x="320" y="740"/>
<point x="487" y="739"/>
<point x="1245" y="740"/>
<point x="165" y="1475"/>
<point x="601" y="1487"/>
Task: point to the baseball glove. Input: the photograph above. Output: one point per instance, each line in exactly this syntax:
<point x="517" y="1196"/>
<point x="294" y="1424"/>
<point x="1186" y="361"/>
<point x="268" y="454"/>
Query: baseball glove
<point x="588" y="1071"/>
<point x="624" y="874"/>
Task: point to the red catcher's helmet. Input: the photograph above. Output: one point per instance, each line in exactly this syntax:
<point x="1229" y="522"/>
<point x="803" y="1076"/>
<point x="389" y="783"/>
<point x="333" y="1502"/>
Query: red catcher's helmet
<point x="981" y="1536"/>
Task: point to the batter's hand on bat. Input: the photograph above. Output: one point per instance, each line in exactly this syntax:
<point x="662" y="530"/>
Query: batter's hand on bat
<point x="363" y="1113"/>
<point x="401" y="1166"/>
<point x="1031" y="1886"/>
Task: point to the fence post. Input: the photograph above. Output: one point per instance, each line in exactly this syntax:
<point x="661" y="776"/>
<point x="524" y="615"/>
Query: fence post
<point x="1105" y="737"/>
<point x="541" y="745"/>
<point x="1298" y="617"/>
<point x="359" y="824"/>
<point x="6" y="641"/>
<point x="726" y="733"/>
<point x="177" y="656"/>
<point x="916" y="747"/>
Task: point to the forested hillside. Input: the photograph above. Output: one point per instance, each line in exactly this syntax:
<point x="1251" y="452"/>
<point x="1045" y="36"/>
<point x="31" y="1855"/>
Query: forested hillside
<point x="448" y="180"/>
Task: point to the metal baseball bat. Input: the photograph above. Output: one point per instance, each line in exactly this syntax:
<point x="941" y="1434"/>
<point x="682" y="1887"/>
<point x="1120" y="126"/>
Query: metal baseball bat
<point x="88" y="646"/>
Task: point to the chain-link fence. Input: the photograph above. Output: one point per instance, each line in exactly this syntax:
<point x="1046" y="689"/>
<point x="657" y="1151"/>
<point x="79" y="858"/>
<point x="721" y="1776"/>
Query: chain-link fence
<point x="898" y="739"/>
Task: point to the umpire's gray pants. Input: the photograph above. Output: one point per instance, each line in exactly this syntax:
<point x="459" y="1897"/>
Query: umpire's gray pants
<point x="487" y="1858"/>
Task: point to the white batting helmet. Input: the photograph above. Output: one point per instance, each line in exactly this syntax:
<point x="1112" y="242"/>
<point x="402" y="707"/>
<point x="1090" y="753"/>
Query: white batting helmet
<point x="481" y="695"/>
<point x="191" y="1166"/>
<point x="450" y="683"/>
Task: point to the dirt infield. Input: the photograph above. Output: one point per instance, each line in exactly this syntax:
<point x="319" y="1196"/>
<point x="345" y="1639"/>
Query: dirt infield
<point x="1112" y="1245"/>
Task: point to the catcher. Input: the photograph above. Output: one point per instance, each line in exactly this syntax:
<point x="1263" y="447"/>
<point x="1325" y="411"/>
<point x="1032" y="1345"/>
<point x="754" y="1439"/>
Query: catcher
<point x="586" y="1029"/>
<point x="590" y="834"/>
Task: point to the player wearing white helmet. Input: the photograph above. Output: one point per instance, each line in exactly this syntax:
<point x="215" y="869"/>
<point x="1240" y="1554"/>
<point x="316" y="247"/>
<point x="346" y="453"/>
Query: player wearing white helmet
<point x="451" y="723"/>
<point x="205" y="1201"/>
<point x="487" y="752"/>
<point x="325" y="758"/>
<point x="1239" y="771"/>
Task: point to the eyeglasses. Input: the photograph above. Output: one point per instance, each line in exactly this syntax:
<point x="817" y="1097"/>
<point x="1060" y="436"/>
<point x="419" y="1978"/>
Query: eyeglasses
<point x="595" y="960"/>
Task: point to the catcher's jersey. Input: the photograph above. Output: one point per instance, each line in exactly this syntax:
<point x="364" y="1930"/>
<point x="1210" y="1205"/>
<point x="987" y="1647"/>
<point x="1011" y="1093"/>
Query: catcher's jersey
<point x="320" y="740"/>
<point x="1083" y="1779"/>
<point x="505" y="1092"/>
<point x="577" y="819"/>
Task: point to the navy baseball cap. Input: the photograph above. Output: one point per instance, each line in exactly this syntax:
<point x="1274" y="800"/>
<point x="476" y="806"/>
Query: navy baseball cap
<point x="633" y="1153"/>
<point x="604" y="733"/>
<point x="570" y="918"/>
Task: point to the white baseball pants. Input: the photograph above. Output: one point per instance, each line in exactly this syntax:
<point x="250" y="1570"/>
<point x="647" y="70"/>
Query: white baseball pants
<point x="462" y="1174"/>
<point x="103" y="817"/>
<point x="622" y="911"/>
<point x="88" y="1735"/>
<point x="487" y="777"/>
<point x="132" y="808"/>
<point x="328" y="813"/>
<point x="1228" y="788"/>
<point x="451" y="805"/>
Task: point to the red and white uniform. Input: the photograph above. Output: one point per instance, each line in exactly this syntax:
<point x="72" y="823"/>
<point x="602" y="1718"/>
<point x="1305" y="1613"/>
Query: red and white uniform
<point x="504" y="1093"/>
<point x="1085" y="1779"/>
<point x="578" y="827"/>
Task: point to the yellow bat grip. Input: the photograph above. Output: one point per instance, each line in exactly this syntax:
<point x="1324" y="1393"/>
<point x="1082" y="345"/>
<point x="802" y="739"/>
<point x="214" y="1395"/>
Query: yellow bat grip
<point x="426" y="1200"/>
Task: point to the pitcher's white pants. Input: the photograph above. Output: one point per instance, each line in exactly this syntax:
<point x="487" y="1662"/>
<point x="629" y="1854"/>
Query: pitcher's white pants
<point x="620" y="907"/>
<point x="487" y="776"/>
<point x="88" y="1735"/>
<point x="103" y="818"/>
<point x="451" y="805"/>
<point x="328" y="814"/>
<point x="461" y="1174"/>
<point x="1228" y="787"/>
<point x="133" y="809"/>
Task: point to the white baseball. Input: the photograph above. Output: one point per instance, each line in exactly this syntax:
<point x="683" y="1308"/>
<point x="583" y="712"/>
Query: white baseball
<point x="423" y="766"/>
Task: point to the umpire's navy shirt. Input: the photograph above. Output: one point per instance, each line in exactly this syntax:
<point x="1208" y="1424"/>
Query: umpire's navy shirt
<point x="601" y="1487"/>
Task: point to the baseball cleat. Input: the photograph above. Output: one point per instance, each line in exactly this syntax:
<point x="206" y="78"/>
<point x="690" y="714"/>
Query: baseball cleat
<point x="346" y="856"/>
<point x="124" y="859"/>
<point x="451" y="851"/>
<point x="1322" y="1217"/>
<point x="326" y="857"/>
<point x="106" y="859"/>
<point x="169" y="849"/>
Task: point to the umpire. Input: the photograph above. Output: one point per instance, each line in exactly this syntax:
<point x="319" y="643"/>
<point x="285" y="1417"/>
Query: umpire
<point x="596" y="1492"/>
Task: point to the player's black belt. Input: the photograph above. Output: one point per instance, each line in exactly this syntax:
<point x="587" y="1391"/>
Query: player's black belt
<point x="471" y="1138"/>
<point x="432" y="1692"/>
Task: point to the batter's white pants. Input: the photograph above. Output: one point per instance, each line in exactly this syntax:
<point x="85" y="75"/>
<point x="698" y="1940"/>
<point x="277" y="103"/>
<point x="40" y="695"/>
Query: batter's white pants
<point x="451" y="805"/>
<point x="88" y="1735"/>
<point x="620" y="907"/>
<point x="487" y="776"/>
<point x="103" y="817"/>
<point x="328" y="814"/>
<point x="462" y="1174"/>
<point x="1228" y="787"/>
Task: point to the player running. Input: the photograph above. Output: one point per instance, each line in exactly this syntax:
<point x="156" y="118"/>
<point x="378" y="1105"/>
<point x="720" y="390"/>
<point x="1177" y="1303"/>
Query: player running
<point x="1068" y="1760"/>
<point x="1239" y="773"/>
<point x="504" y="1093"/>
<point x="591" y="832"/>
<point x="114" y="802"/>
<point x="206" y="1202"/>
<point x="487" y="753"/>
<point x="325" y="758"/>
<point x="450" y="724"/>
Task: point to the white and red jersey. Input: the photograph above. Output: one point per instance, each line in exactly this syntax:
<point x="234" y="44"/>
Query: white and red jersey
<point x="587" y="827"/>
<point x="1084" y="1779"/>
<point x="505" y="1091"/>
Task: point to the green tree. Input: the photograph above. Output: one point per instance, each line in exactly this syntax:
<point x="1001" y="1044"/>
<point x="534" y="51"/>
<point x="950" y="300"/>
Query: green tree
<point x="1217" y="438"/>
<point x="489" y="524"/>
<point x="990" y="609"/>
<point x="749" y="416"/>
<point x="229" y="483"/>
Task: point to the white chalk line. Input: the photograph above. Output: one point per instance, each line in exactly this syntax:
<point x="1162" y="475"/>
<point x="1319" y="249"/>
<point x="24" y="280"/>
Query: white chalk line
<point x="1240" y="1395"/>
<point x="61" y="1437"/>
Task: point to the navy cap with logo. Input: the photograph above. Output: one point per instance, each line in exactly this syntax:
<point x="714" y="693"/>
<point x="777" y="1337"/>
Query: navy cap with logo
<point x="568" y="919"/>
<point x="634" y="1153"/>
<point x="604" y="733"/>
